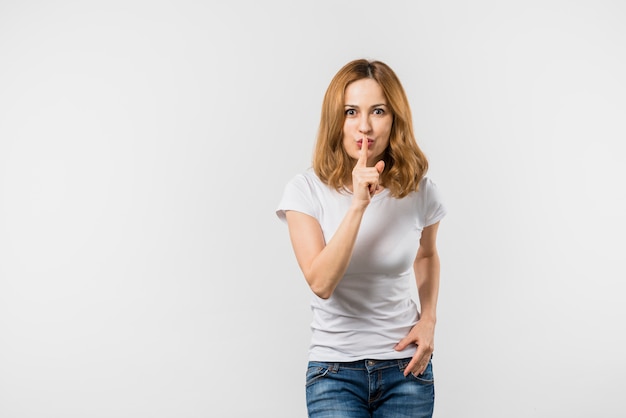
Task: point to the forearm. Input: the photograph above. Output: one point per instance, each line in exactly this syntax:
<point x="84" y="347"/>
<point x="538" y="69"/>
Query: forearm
<point x="329" y="266"/>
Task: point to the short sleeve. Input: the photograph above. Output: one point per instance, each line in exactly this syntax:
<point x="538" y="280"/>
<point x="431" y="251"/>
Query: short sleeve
<point x="298" y="196"/>
<point x="433" y="208"/>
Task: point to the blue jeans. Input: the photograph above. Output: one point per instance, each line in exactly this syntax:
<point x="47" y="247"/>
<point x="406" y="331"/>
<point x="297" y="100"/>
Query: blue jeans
<point x="368" y="389"/>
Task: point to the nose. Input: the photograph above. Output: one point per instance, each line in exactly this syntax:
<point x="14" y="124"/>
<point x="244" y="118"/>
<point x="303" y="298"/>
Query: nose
<point x="364" y="124"/>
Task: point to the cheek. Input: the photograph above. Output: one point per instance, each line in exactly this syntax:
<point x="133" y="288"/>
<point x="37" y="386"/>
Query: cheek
<point x="348" y="133"/>
<point x="344" y="144"/>
<point x="386" y="128"/>
<point x="350" y="147"/>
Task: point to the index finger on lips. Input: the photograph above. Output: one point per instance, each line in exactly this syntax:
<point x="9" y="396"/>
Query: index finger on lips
<point x="362" y="161"/>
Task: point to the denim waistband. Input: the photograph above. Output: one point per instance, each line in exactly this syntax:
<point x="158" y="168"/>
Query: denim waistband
<point x="365" y="364"/>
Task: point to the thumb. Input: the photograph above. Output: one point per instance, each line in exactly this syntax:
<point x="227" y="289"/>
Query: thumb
<point x="380" y="166"/>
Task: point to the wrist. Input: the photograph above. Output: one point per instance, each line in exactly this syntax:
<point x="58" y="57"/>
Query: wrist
<point x="358" y="206"/>
<point x="428" y="317"/>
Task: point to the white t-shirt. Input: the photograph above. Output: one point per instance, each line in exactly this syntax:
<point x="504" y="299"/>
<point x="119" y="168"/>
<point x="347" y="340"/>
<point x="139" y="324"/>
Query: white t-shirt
<point x="371" y="309"/>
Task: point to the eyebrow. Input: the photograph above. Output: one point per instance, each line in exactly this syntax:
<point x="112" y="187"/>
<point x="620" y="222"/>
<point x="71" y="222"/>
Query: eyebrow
<point x="376" y="105"/>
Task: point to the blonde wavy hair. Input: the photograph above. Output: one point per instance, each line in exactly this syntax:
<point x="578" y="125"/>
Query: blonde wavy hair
<point x="405" y="163"/>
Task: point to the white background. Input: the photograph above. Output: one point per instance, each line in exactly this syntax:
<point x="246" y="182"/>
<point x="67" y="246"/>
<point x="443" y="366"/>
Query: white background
<point x="144" y="146"/>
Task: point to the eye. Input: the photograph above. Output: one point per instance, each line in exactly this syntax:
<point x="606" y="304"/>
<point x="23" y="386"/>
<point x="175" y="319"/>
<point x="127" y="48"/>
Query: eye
<point x="379" y="111"/>
<point x="350" y="112"/>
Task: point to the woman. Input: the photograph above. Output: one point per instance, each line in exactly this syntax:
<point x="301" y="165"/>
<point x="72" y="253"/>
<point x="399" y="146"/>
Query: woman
<point x="363" y="223"/>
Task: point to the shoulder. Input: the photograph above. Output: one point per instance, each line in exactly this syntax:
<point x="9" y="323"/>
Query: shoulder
<point x="303" y="193"/>
<point x="427" y="183"/>
<point x="307" y="181"/>
<point x="428" y="188"/>
<point x="307" y="177"/>
<point x="430" y="201"/>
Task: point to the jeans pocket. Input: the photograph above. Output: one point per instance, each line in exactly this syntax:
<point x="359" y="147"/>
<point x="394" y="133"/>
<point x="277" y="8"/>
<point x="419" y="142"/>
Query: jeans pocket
<point x="426" y="378"/>
<point x="315" y="372"/>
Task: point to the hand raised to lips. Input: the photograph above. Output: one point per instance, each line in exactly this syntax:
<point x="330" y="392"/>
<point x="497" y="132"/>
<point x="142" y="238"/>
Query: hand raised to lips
<point x="365" y="180"/>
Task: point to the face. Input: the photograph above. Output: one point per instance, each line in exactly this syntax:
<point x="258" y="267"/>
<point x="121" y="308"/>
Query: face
<point x="369" y="117"/>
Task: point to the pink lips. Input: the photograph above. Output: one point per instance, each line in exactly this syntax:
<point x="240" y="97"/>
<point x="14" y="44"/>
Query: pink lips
<point x="369" y="143"/>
